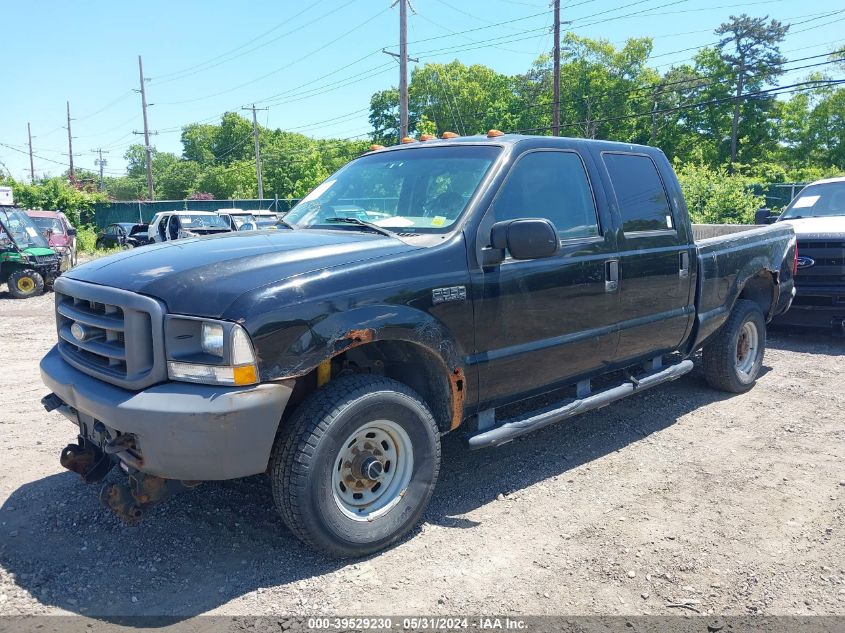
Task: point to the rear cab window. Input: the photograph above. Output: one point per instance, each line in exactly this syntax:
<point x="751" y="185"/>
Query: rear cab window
<point x="640" y="193"/>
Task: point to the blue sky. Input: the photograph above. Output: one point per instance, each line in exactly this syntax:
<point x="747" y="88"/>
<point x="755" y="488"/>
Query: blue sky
<point x="314" y="62"/>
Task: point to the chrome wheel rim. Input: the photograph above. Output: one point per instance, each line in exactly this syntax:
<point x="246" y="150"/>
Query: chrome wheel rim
<point x="747" y="349"/>
<point x="372" y="470"/>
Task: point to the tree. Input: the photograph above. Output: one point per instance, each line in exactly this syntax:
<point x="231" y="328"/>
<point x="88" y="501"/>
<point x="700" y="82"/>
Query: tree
<point x="752" y="48"/>
<point x="384" y="116"/>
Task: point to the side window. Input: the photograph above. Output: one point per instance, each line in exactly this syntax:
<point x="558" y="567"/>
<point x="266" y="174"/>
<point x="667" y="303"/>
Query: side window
<point x="642" y="199"/>
<point x="551" y="185"/>
<point x="111" y="230"/>
<point x="162" y="227"/>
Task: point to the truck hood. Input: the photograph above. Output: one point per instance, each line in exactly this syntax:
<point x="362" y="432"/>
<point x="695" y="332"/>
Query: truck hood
<point x="833" y="226"/>
<point x="203" y="277"/>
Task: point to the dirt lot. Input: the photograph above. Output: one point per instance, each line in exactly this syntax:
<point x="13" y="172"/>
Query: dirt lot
<point x="678" y="496"/>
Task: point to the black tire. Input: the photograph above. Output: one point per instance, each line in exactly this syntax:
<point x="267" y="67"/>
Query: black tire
<point x="315" y="440"/>
<point x="99" y="245"/>
<point x="723" y="355"/>
<point x="25" y="283"/>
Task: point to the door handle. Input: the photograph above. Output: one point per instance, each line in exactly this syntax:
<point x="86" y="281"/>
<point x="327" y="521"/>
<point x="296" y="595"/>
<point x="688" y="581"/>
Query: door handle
<point x="683" y="269"/>
<point x="611" y="275"/>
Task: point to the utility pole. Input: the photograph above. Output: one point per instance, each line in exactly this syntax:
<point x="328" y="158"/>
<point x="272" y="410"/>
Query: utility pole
<point x="257" y="150"/>
<point x="556" y="78"/>
<point x="556" y="89"/>
<point x="70" y="145"/>
<point x="147" y="147"/>
<point x="100" y="162"/>
<point x="31" y="163"/>
<point x="403" y="69"/>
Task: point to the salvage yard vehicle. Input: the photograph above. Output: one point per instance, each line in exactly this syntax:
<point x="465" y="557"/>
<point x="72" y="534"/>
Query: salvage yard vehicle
<point x="505" y="272"/>
<point x="818" y="216"/>
<point x="27" y="263"/>
<point x="237" y="218"/>
<point x="123" y="235"/>
<point x="177" y="225"/>
<point x="60" y="234"/>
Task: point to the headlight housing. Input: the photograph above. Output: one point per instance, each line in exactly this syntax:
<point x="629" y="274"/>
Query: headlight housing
<point x="208" y="351"/>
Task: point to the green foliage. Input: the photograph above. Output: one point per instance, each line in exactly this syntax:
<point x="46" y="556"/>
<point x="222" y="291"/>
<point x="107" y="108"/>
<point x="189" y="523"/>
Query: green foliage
<point x="714" y="196"/>
<point x="56" y="194"/>
<point x="86" y="239"/>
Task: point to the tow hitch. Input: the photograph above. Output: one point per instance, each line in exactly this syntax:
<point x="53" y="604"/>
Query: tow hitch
<point x="130" y="501"/>
<point x="88" y="460"/>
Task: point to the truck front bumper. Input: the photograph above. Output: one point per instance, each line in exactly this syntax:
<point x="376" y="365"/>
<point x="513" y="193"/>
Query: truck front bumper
<point x="181" y="430"/>
<point x="817" y="307"/>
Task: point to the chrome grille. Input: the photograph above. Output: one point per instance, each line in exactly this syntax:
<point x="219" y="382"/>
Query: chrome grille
<point x="110" y="333"/>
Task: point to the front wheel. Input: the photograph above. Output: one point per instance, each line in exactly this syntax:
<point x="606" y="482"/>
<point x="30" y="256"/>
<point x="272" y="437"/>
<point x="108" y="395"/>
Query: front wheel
<point x="356" y="465"/>
<point x="25" y="283"/>
<point x="733" y="359"/>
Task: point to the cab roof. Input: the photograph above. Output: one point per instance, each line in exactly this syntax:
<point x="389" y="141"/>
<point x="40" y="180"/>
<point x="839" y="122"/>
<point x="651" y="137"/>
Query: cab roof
<point x="518" y="139"/>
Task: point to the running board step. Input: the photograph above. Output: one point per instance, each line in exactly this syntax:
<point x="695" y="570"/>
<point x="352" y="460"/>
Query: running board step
<point x="515" y="427"/>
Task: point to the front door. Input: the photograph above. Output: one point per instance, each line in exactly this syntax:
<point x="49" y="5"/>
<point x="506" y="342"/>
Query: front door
<point x="544" y="322"/>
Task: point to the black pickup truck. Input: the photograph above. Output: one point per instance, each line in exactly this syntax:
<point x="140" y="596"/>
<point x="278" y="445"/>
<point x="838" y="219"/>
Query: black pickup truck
<point x="433" y="287"/>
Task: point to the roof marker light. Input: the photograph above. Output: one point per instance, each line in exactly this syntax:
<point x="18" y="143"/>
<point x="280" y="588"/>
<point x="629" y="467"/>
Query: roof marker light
<point x="495" y="133"/>
<point x="428" y="137"/>
<point x="449" y="135"/>
<point x="408" y="139"/>
<point x="374" y="147"/>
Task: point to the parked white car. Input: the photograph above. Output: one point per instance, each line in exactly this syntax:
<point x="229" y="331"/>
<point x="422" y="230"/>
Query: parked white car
<point x="240" y="220"/>
<point x="174" y="225"/>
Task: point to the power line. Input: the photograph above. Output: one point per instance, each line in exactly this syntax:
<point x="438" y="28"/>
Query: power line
<point x="280" y="68"/>
<point x="778" y="90"/>
<point x="210" y="63"/>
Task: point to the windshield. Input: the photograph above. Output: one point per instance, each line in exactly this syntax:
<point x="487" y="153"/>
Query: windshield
<point x="241" y="218"/>
<point x="421" y="190"/>
<point x="817" y="201"/>
<point x="19" y="227"/>
<point x="49" y="224"/>
<point x="188" y="221"/>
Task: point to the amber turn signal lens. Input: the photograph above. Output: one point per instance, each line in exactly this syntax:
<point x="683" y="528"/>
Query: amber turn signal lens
<point x="495" y="133"/>
<point x="245" y="375"/>
<point x="450" y="135"/>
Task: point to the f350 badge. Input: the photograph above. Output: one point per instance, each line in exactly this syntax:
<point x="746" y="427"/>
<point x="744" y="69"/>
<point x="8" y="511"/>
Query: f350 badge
<point x="453" y="293"/>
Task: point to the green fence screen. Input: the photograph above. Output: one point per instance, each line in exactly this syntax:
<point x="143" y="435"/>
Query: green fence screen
<point x="106" y="213"/>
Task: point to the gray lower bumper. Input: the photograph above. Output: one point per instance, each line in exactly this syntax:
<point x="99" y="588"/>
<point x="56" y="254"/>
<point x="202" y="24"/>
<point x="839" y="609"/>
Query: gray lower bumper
<point x="184" y="431"/>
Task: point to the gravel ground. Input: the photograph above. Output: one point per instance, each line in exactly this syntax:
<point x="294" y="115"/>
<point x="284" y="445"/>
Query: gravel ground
<point x="678" y="496"/>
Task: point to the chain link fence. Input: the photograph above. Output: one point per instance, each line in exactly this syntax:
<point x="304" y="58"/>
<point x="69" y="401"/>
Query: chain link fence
<point x="106" y="213"/>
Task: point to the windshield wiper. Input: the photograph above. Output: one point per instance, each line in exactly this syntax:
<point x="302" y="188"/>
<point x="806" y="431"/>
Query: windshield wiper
<point x="363" y="223"/>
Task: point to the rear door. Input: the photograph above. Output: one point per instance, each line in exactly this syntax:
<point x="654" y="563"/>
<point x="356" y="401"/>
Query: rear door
<point x="655" y="258"/>
<point x="542" y="322"/>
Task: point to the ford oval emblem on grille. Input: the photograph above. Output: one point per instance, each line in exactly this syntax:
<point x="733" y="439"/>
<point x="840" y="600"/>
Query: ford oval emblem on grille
<point x="806" y="262"/>
<point x="80" y="332"/>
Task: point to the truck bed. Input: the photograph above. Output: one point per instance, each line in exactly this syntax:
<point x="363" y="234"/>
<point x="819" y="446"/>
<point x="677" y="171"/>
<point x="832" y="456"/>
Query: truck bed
<point x="726" y="262"/>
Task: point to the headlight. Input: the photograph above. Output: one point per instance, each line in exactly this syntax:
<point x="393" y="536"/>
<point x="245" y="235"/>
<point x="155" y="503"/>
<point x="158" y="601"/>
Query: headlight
<point x="212" y="338"/>
<point x="209" y="352"/>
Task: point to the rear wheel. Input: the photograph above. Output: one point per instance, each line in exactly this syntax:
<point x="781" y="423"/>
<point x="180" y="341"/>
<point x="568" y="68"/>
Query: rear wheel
<point x="25" y="283"/>
<point x="356" y="465"/>
<point x="733" y="359"/>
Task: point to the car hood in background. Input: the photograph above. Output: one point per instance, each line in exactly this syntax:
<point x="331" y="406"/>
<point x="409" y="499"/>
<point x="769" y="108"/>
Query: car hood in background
<point x="202" y="277"/>
<point x="833" y="226"/>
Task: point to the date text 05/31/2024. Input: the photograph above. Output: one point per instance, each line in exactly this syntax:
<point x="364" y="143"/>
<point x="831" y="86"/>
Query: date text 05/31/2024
<point x="439" y="623"/>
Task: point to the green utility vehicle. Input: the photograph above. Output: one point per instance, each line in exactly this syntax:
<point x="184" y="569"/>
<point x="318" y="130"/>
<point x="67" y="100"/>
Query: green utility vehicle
<point x="27" y="263"/>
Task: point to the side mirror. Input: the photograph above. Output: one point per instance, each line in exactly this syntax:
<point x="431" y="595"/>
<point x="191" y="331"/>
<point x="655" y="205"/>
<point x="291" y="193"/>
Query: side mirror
<point x="71" y="232"/>
<point x="764" y="216"/>
<point x="529" y="238"/>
